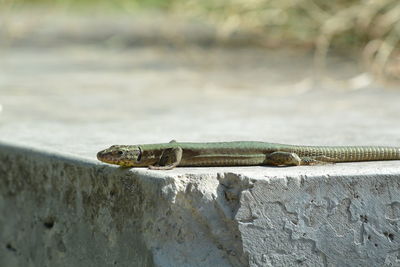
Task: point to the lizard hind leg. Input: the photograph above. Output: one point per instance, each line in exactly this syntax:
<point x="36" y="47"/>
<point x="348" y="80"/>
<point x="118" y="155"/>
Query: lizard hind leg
<point x="280" y="158"/>
<point x="169" y="159"/>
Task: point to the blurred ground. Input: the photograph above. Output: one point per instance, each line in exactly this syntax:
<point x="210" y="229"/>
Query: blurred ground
<point x="365" y="30"/>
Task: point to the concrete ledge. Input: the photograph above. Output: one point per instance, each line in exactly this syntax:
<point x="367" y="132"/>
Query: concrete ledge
<point x="64" y="211"/>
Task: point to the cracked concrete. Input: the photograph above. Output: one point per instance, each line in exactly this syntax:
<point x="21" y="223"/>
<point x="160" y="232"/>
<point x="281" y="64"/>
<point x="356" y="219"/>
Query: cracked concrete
<point x="59" y="206"/>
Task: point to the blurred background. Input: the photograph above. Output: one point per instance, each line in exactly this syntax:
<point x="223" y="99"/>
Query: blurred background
<point x="197" y="70"/>
<point x="365" y="30"/>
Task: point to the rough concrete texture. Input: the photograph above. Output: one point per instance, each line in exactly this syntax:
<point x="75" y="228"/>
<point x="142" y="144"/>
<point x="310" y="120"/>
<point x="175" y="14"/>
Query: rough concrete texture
<point x="57" y="211"/>
<point x="59" y="206"/>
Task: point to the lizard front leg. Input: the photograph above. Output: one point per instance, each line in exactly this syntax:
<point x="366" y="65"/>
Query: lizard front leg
<point x="170" y="158"/>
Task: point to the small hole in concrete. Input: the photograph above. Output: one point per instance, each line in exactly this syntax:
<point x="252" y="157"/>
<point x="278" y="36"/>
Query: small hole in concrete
<point x="376" y="245"/>
<point x="49" y="223"/>
<point x="10" y="247"/>
<point x="391" y="237"/>
<point x="364" y="218"/>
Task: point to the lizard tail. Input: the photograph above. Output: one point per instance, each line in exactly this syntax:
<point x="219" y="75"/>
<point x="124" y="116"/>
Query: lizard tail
<point x="351" y="153"/>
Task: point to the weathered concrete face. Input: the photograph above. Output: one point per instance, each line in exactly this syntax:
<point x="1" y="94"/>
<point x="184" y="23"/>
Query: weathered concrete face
<point x="63" y="212"/>
<point x="58" y="211"/>
<point x="325" y="220"/>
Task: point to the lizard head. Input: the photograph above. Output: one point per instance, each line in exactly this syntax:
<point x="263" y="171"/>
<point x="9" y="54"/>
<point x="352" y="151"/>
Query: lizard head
<point x="126" y="156"/>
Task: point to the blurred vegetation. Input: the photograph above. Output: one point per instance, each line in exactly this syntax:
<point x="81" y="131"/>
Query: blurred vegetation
<point x="87" y="5"/>
<point x="370" y="28"/>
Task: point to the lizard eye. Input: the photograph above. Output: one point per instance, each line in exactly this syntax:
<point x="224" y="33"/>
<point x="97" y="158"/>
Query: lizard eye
<point x="120" y="152"/>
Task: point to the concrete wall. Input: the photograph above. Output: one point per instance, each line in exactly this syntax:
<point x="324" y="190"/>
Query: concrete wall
<point x="60" y="211"/>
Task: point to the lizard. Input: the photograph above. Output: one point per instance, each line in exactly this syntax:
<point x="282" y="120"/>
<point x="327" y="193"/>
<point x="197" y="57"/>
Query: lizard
<point x="166" y="156"/>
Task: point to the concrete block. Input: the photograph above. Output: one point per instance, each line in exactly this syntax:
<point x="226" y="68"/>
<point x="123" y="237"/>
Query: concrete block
<point x="62" y="211"/>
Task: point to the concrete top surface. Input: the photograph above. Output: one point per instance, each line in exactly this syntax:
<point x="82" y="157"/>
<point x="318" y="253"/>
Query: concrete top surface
<point x="77" y="99"/>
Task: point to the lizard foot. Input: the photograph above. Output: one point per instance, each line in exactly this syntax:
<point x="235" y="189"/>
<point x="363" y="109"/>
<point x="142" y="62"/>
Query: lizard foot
<point x="318" y="160"/>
